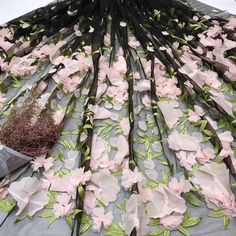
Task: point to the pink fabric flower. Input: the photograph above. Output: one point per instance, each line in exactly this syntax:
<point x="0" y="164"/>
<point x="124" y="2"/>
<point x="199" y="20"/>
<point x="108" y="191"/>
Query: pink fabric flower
<point x="100" y="218"/>
<point x="100" y="157"/>
<point x="186" y="161"/>
<point x="179" y="186"/>
<point x="231" y="24"/>
<point x="63" y="206"/>
<point x="130" y="177"/>
<point x="195" y="116"/>
<point x="135" y="216"/>
<point x="213" y="181"/>
<point x="150" y="169"/>
<point x="214" y="31"/>
<point x="165" y="202"/>
<point x="42" y="161"/>
<point x="104" y="185"/>
<point x="21" y="66"/>
<point x="146" y="101"/>
<point x="6" y="33"/>
<point x="220" y="99"/>
<point x="173" y="221"/>
<point x="75" y="178"/>
<point x="5" y="45"/>
<point x="205" y="155"/>
<point x="58" y="116"/>
<point x="184" y="142"/>
<point x="143" y="85"/>
<point x="226" y="139"/>
<point x="29" y="195"/>
<point x="171" y="112"/>
<point x="89" y="201"/>
<point x="167" y="87"/>
<point x="71" y="159"/>
<point x="100" y="112"/>
<point x="122" y="145"/>
<point x="2" y="100"/>
<point x="133" y="42"/>
<point x="125" y="126"/>
<point x="3" y="193"/>
<point x="107" y="39"/>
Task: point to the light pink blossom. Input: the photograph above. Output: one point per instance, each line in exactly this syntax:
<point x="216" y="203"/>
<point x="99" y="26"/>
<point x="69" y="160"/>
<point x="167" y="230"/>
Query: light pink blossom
<point x="195" y="116"/>
<point x="186" y="161"/>
<point x="63" y="206"/>
<point x="179" y="186"/>
<point x="135" y="216"/>
<point x="100" y="219"/>
<point x="173" y="221"/>
<point x="130" y="177"/>
<point x="104" y="185"/>
<point x="178" y="142"/>
<point x="213" y="181"/>
<point x="170" y="111"/>
<point x="125" y="126"/>
<point x="29" y="195"/>
<point x="165" y="202"/>
<point x="205" y="155"/>
<point x="3" y="192"/>
<point x="42" y="161"/>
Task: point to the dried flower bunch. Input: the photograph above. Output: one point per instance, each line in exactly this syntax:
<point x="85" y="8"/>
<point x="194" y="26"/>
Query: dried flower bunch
<point x="28" y="132"/>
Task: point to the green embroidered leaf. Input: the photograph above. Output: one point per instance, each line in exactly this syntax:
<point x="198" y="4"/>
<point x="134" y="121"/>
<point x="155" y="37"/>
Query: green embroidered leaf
<point x="117" y="173"/>
<point x="154" y="222"/>
<point x="191" y="222"/>
<point x="7" y="205"/>
<point x="46" y="214"/>
<point x="157" y="14"/>
<point x="84" y="228"/>
<point x="157" y="231"/>
<point x="81" y="191"/>
<point x="165" y="163"/>
<point x="85" y="219"/>
<point x="186" y="216"/>
<point x="226" y="221"/>
<point x="165" y="178"/>
<point x="203" y="125"/>
<point x="166" y="232"/>
<point x="190" y="199"/>
<point x="205" y="139"/>
<point x="147" y="145"/>
<point x="141" y="134"/>
<point x="184" y="231"/>
<point x="69" y="221"/>
<point x="121" y="206"/>
<point x="207" y="132"/>
<point x="100" y="203"/>
<point x="152" y="184"/>
<point x="61" y="154"/>
<point x="16" y="82"/>
<point x="217" y="214"/>
<point x="115" y="230"/>
<point x="198" y="195"/>
<point x="233" y="185"/>
<point x="52" y="195"/>
<point x="52" y="220"/>
<point x="100" y="130"/>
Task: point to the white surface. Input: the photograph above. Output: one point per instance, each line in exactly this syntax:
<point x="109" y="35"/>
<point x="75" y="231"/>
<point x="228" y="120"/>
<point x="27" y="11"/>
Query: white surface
<point x="10" y="9"/>
<point x="229" y="5"/>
